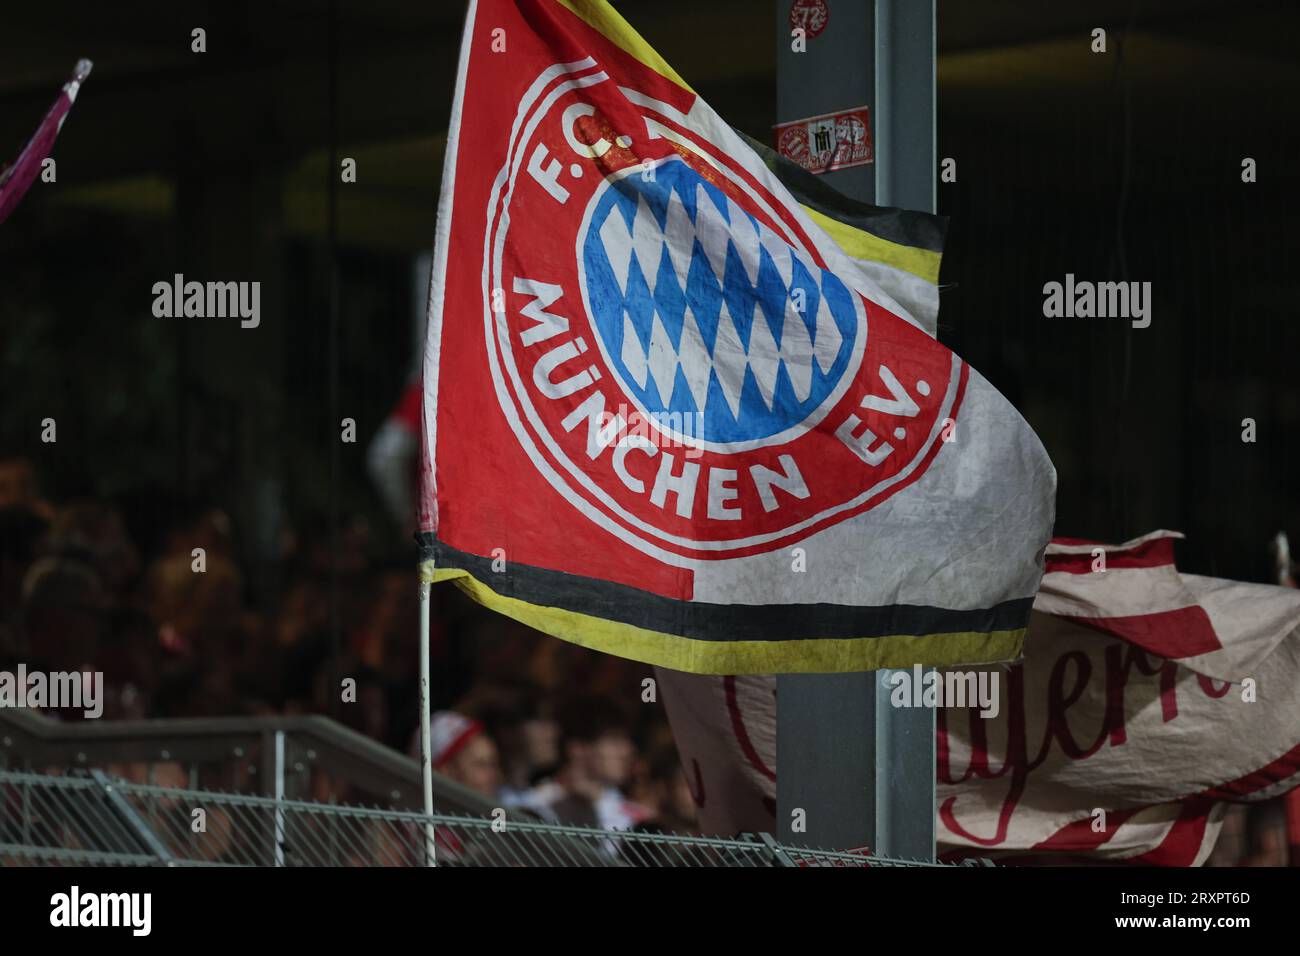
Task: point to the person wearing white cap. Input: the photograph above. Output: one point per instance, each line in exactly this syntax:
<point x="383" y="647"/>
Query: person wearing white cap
<point x="463" y="751"/>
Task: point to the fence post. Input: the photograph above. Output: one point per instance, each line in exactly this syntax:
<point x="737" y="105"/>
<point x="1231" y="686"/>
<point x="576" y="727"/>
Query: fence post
<point x="279" y="798"/>
<point x="130" y="817"/>
<point x="779" y="856"/>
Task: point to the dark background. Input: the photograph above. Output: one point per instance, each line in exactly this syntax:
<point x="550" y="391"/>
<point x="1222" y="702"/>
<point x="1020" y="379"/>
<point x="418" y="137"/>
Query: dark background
<point x="1123" y="166"/>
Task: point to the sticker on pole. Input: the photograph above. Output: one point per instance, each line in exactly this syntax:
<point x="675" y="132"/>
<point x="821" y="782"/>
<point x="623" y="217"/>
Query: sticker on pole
<point x="828" y="142"/>
<point x="809" y="15"/>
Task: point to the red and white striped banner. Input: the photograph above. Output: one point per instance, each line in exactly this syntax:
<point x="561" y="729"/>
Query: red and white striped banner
<point x="1146" y="700"/>
<point x="1144" y="599"/>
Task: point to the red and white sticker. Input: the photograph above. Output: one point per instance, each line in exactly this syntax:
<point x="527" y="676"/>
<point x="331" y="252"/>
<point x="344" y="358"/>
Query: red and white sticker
<point x="831" y="141"/>
<point x="809" y="15"/>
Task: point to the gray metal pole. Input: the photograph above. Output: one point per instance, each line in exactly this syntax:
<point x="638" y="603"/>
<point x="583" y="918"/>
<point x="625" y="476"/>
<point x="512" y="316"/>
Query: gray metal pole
<point x="279" y="798"/>
<point x="853" y="770"/>
<point x="426" y="739"/>
<point x="905" y="176"/>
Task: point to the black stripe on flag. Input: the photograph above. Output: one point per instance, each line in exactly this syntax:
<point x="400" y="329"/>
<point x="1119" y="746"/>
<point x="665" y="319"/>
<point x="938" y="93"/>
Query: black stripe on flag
<point x="907" y="227"/>
<point x="720" y="622"/>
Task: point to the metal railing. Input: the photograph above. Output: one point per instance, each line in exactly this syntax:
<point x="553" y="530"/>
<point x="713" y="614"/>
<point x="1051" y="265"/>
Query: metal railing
<point x="300" y="756"/>
<point x="93" y="819"/>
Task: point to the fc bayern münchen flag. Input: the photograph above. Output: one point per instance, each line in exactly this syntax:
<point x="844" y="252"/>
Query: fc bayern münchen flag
<point x="667" y="416"/>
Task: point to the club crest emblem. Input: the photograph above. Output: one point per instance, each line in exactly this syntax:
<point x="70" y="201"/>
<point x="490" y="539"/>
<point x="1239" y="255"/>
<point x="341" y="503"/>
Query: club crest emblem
<point x="674" y="351"/>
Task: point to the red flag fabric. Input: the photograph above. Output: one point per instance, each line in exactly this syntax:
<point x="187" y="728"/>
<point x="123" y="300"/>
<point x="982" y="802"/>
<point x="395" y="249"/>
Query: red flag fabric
<point x="15" y="179"/>
<point x="668" y="415"/>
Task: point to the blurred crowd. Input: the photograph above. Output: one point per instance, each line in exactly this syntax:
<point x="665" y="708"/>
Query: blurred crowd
<point x="96" y="585"/>
<point x="113" y="586"/>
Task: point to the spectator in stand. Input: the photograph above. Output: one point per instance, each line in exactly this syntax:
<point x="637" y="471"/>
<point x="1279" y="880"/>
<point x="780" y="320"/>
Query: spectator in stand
<point x="596" y="753"/>
<point x="66" y="611"/>
<point x="668" y="794"/>
<point x="520" y="725"/>
<point x="463" y="751"/>
<point x="93" y="531"/>
<point x="22" y="532"/>
<point x="20" y="488"/>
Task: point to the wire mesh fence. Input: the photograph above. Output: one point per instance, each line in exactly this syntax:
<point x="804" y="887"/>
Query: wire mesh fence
<point x="299" y="757"/>
<point x="93" y="819"/>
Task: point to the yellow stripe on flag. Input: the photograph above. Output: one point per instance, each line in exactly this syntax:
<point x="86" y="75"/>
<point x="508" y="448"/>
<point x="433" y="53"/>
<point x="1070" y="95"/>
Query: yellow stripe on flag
<point x="599" y="15"/>
<point x="921" y="263"/>
<point x="810" y="655"/>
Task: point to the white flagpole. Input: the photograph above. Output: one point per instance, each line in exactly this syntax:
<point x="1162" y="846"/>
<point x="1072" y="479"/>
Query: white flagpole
<point x="426" y="757"/>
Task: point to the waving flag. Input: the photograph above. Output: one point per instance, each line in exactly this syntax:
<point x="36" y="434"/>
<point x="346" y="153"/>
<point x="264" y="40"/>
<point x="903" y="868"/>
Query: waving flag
<point x="1147" y="701"/>
<point x="15" y="179"/>
<point x="674" y="414"/>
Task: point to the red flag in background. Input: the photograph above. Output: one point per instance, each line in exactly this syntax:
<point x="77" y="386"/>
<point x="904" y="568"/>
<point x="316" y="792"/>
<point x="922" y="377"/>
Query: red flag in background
<point x="15" y="179"/>
<point x="1148" y="700"/>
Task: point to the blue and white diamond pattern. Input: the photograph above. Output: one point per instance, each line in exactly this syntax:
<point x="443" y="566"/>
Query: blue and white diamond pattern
<point x="697" y="304"/>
